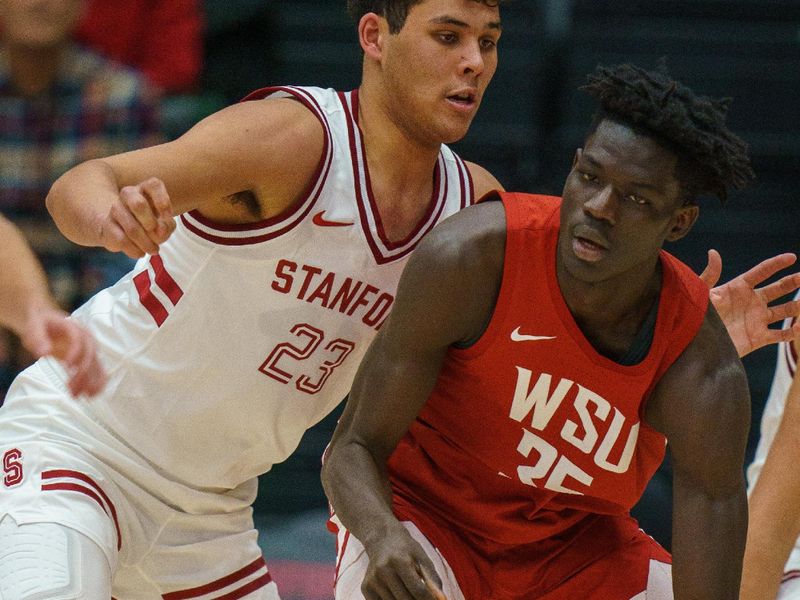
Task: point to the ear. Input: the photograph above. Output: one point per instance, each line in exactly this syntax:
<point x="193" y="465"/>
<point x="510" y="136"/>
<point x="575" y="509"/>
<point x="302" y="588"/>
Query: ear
<point x="371" y="31"/>
<point x="682" y="221"/>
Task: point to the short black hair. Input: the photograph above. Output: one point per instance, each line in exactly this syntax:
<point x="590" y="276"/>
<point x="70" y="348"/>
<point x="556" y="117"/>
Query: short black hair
<point x="710" y="157"/>
<point x="394" y="11"/>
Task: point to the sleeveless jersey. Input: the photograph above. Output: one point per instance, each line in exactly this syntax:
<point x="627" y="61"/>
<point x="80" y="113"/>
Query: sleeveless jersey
<point x="530" y="430"/>
<point x="224" y="348"/>
<point x="785" y="369"/>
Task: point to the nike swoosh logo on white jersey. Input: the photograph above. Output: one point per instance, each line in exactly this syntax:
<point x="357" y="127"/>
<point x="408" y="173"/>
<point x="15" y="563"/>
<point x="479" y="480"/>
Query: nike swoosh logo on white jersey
<point x="516" y="336"/>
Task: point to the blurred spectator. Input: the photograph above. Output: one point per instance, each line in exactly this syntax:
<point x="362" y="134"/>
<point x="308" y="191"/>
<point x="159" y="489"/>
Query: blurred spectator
<point x="160" y="38"/>
<point x="240" y="47"/>
<point x="60" y="105"/>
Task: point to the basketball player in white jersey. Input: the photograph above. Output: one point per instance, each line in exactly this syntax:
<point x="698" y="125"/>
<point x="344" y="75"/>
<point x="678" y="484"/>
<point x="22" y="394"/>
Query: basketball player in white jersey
<point x="271" y="239"/>
<point x="27" y="309"/>
<point x="772" y="556"/>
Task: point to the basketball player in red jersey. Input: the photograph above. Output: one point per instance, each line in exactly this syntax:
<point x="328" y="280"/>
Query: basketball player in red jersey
<point x="540" y="354"/>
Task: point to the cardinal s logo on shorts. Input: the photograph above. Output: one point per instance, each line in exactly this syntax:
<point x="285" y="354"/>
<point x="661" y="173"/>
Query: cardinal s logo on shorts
<point x="12" y="467"/>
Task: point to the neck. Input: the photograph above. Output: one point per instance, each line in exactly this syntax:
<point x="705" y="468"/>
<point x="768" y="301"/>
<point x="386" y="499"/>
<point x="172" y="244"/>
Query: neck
<point x="624" y="298"/>
<point x="33" y="70"/>
<point x="395" y="158"/>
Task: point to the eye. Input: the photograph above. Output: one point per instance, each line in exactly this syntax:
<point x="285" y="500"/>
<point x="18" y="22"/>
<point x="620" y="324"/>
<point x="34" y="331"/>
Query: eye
<point x="638" y="200"/>
<point x="448" y="37"/>
<point x="587" y="177"/>
<point x="488" y="44"/>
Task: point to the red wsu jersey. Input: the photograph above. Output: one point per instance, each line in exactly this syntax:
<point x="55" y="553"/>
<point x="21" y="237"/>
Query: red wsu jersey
<point x="530" y="430"/>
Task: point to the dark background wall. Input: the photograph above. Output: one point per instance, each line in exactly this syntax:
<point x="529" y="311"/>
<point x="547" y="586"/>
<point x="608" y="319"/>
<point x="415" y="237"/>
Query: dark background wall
<point x="533" y="119"/>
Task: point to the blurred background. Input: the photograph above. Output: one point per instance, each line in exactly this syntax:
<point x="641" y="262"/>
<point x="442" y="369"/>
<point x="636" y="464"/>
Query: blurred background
<point x="172" y="62"/>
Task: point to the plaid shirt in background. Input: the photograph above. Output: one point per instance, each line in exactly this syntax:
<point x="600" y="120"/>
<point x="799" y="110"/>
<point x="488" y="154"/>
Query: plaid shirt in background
<point x="95" y="108"/>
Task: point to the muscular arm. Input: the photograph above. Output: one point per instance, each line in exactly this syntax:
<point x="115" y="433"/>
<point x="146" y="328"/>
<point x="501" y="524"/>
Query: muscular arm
<point x="446" y="295"/>
<point x="702" y="406"/>
<point x="126" y="202"/>
<point x="774" y="507"/>
<point x="27" y="308"/>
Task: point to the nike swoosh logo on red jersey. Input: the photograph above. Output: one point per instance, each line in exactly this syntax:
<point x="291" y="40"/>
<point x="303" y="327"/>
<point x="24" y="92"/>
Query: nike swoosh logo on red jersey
<point x="319" y="219"/>
<point x="516" y="336"/>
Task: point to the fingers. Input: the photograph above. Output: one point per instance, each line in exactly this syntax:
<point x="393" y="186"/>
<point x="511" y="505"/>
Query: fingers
<point x="434" y="589"/>
<point x="76" y="349"/>
<point x="783" y="311"/>
<point x="402" y="576"/>
<point x="782" y="287"/>
<point x="394" y="586"/>
<point x="713" y="270"/>
<point x="781" y="335"/>
<point x="767" y="268"/>
<point x="140" y="220"/>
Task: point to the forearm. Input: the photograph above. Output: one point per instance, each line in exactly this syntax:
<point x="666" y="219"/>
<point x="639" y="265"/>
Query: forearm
<point x="23" y="286"/>
<point x="708" y="546"/>
<point x="764" y="559"/>
<point x="80" y="199"/>
<point x="359" y="491"/>
<point x="774" y="512"/>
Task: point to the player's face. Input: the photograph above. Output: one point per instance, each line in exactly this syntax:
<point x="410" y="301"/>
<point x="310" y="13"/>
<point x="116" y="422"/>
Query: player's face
<point x="38" y="23"/>
<point x="438" y="65"/>
<point x="621" y="202"/>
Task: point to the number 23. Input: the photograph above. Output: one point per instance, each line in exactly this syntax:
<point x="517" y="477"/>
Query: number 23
<point x="310" y="340"/>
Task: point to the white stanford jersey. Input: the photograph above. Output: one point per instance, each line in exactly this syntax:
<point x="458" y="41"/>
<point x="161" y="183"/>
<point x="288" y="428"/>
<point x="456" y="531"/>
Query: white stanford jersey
<point x="785" y="370"/>
<point x="231" y="342"/>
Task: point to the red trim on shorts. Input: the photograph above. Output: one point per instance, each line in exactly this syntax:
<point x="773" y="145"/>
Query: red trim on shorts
<point x="340" y="556"/>
<point x="165" y="281"/>
<point x="106" y="504"/>
<point x="246" y="589"/>
<point x="222" y="582"/>
<point x="149" y="301"/>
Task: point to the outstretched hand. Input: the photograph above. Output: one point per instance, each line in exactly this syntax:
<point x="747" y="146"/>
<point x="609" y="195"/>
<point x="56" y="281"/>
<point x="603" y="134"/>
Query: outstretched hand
<point x="745" y="309"/>
<point x="50" y="332"/>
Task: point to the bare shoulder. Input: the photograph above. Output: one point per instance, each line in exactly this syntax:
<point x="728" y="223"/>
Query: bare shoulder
<point x="482" y="180"/>
<point x="280" y="126"/>
<point x="471" y="236"/>
<point x="459" y="263"/>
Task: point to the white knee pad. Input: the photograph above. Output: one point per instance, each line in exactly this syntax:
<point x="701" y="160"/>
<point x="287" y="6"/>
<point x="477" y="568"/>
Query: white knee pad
<point x="47" y="561"/>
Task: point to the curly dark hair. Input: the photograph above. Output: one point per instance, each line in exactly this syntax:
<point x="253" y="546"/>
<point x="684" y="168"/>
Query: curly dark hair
<point x="710" y="157"/>
<point x="394" y="11"/>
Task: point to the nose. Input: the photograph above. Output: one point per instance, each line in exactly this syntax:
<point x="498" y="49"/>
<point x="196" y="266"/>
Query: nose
<point x="472" y="58"/>
<point x="602" y="205"/>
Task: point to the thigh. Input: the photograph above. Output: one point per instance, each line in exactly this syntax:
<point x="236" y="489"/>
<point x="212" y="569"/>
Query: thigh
<point x="47" y="560"/>
<point x="352" y="562"/>
<point x="199" y="556"/>
<point x="46" y="482"/>
<point x="638" y="570"/>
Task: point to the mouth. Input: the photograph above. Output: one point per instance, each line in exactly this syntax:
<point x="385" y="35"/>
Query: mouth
<point x="464" y="99"/>
<point x="588" y="244"/>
